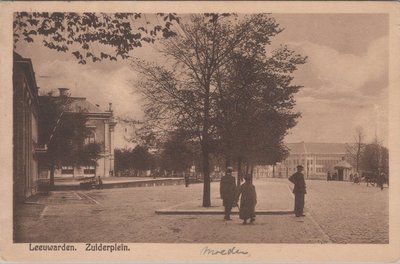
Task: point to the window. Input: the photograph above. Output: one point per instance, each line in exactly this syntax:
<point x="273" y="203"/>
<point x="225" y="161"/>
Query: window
<point x="89" y="170"/>
<point x="67" y="170"/>
<point x="90" y="139"/>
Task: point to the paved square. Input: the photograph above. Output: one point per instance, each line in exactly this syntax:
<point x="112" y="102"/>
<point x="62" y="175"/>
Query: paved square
<point x="337" y="212"/>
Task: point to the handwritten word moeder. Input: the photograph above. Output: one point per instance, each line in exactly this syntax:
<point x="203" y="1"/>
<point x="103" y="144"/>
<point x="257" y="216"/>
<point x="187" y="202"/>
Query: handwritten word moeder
<point x="230" y="251"/>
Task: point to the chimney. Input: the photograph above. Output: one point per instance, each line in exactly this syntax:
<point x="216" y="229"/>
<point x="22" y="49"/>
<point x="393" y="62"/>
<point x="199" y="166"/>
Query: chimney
<point x="110" y="107"/>
<point x="64" y="91"/>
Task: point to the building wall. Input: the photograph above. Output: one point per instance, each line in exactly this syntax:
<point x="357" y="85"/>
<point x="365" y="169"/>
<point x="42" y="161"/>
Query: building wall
<point x="25" y="134"/>
<point x="103" y="134"/>
<point x="316" y="166"/>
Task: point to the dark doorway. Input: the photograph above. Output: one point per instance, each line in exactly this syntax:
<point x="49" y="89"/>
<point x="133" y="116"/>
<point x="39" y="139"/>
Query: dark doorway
<point x="340" y="174"/>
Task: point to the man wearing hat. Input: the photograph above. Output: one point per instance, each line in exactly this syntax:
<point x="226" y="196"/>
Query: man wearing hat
<point x="299" y="191"/>
<point x="228" y="192"/>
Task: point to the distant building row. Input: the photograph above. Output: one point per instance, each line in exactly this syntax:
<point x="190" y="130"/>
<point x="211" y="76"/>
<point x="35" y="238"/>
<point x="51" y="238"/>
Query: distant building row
<point x="317" y="159"/>
<point x="27" y="149"/>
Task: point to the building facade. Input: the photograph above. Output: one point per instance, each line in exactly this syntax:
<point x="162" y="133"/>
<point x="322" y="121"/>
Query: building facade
<point x="317" y="159"/>
<point x="102" y="124"/>
<point x="26" y="147"/>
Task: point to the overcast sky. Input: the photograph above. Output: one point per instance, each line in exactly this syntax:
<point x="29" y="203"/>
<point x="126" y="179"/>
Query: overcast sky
<point x="345" y="79"/>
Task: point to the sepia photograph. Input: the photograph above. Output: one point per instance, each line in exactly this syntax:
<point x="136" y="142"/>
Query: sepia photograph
<point x="220" y="129"/>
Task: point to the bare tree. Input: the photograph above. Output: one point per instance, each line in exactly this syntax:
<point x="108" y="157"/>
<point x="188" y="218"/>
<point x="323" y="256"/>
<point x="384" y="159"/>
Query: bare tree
<point x="187" y="94"/>
<point x="356" y="148"/>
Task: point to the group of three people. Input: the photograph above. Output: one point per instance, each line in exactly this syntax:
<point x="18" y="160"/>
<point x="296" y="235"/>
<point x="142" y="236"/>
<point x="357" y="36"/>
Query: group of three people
<point x="248" y="198"/>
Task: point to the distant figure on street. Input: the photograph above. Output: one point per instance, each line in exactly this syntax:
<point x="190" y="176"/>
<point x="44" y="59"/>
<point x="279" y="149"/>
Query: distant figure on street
<point x="381" y="180"/>
<point x="351" y="177"/>
<point x="335" y="176"/>
<point x="356" y="178"/>
<point x="99" y="183"/>
<point x="248" y="200"/>
<point x="328" y="177"/>
<point x="187" y="179"/>
<point x="228" y="192"/>
<point x="299" y="191"/>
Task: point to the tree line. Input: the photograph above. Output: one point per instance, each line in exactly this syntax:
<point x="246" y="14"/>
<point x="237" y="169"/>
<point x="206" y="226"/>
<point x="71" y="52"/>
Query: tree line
<point x="369" y="157"/>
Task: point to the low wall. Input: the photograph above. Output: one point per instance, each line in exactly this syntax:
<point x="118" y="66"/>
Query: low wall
<point x="128" y="184"/>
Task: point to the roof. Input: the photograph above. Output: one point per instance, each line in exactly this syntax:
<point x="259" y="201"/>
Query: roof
<point x="80" y="104"/>
<point x="316" y="148"/>
<point x="343" y="164"/>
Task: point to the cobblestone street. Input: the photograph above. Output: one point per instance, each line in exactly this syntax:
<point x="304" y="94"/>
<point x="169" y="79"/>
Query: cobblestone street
<point x="337" y="212"/>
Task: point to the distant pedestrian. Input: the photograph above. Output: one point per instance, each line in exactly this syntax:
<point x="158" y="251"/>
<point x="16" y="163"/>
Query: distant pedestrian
<point x="351" y="177"/>
<point x="228" y="192"/>
<point x="299" y="191"/>
<point x="356" y="178"/>
<point x="381" y="180"/>
<point x="328" y="177"/>
<point x="187" y="179"/>
<point x="99" y="183"/>
<point x="248" y="200"/>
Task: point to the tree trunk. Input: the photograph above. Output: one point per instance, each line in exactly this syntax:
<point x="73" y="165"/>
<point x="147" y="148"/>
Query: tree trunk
<point x="228" y="162"/>
<point x="205" y="147"/>
<point x="206" y="178"/>
<point x="52" y="168"/>
<point x="273" y="171"/>
<point x="239" y="177"/>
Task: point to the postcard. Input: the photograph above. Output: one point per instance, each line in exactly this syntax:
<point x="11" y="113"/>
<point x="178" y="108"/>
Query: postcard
<point x="204" y="131"/>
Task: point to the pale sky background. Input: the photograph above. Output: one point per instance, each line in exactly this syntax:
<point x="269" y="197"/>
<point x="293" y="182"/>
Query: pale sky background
<point x="345" y="79"/>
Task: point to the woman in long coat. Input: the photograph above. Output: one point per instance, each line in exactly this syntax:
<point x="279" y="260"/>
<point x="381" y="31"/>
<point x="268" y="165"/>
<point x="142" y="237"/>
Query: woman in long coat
<point x="248" y="200"/>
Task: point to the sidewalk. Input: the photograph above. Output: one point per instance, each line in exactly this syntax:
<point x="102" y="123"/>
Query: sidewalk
<point x="119" y="182"/>
<point x="273" y="198"/>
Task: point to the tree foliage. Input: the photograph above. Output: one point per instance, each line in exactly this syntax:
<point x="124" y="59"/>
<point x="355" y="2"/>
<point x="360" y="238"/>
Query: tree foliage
<point x="375" y="158"/>
<point x="255" y="101"/>
<point x="64" y="134"/>
<point x="138" y="160"/>
<point x="177" y="154"/>
<point x="92" y="36"/>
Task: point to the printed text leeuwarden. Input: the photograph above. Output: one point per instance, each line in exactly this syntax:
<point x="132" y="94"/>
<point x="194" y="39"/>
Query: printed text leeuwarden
<point x="59" y="247"/>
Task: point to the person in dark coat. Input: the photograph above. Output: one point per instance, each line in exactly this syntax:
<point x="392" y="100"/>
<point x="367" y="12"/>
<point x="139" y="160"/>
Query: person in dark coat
<point x="381" y="180"/>
<point x="186" y="180"/>
<point x="299" y="191"/>
<point x="99" y="183"/>
<point x="248" y="200"/>
<point x="228" y="192"/>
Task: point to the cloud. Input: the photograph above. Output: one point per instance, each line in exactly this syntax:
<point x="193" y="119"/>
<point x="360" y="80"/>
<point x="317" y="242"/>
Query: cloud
<point x="334" y="75"/>
<point x="326" y="120"/>
<point x="342" y="91"/>
<point x="99" y="86"/>
<point x="109" y="83"/>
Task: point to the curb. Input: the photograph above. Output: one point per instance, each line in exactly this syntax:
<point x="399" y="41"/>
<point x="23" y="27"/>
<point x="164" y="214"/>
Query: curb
<point x="219" y="212"/>
<point x="146" y="183"/>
